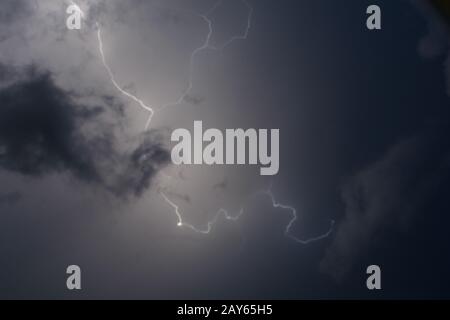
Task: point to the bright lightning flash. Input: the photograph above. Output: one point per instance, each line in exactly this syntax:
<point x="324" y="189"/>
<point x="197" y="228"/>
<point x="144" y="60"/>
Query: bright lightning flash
<point x="114" y="82"/>
<point x="293" y="211"/>
<point x="221" y="212"/>
<point x="227" y="216"/>
<point x="206" y="45"/>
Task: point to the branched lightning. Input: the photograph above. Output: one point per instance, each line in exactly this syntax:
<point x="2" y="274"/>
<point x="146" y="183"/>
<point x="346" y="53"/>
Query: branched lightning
<point x="206" y="45"/>
<point x="223" y="212"/>
<point x="220" y="213"/>
<point x="294" y="218"/>
<point x="243" y="36"/>
<point x="114" y="82"/>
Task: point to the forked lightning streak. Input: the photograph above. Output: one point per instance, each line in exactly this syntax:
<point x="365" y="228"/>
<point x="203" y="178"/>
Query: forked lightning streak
<point x="206" y="46"/>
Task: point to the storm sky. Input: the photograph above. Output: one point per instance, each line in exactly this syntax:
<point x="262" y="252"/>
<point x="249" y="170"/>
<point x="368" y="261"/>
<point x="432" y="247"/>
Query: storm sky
<point x="364" y="126"/>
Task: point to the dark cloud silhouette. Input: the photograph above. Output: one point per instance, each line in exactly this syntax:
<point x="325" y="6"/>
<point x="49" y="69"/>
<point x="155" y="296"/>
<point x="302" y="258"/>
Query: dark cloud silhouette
<point x="443" y="7"/>
<point x="436" y="43"/>
<point x="140" y="167"/>
<point x="41" y="132"/>
<point x="387" y="195"/>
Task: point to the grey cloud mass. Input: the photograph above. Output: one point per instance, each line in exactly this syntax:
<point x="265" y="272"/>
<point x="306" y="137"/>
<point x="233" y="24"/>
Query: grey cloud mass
<point x="387" y="195"/>
<point x="41" y="132"/>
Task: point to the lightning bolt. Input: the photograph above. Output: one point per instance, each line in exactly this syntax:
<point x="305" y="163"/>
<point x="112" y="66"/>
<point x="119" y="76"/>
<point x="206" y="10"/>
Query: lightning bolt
<point x="244" y="36"/>
<point x="206" y="45"/>
<point x="220" y="213"/>
<point x="294" y="218"/>
<point x="227" y="216"/>
<point x="114" y="82"/>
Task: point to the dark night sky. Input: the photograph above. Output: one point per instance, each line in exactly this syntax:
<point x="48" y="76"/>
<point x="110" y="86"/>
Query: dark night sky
<point x="364" y="125"/>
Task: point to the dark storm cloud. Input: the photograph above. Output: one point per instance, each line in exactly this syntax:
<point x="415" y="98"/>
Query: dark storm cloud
<point x="436" y="44"/>
<point x="443" y="7"/>
<point x="142" y="164"/>
<point x="387" y="195"/>
<point x="41" y="132"/>
<point x="113" y="104"/>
